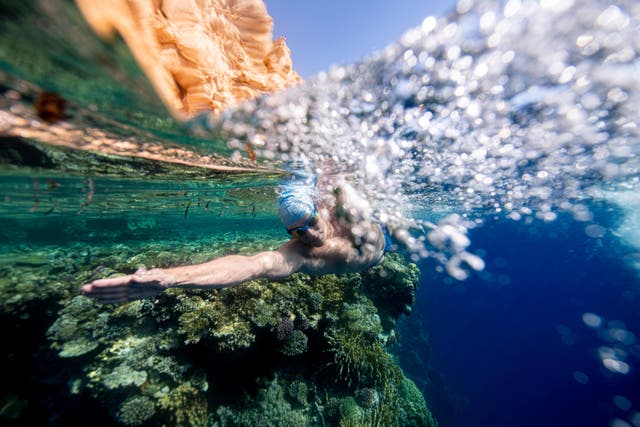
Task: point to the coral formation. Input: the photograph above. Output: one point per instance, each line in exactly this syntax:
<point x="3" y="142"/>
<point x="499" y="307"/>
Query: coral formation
<point x="272" y="409"/>
<point x="295" y="344"/>
<point x="303" y="351"/>
<point x="136" y="411"/>
<point x="284" y="329"/>
<point x="391" y="286"/>
<point x="298" y="391"/>
<point x="411" y="406"/>
<point x="367" y="397"/>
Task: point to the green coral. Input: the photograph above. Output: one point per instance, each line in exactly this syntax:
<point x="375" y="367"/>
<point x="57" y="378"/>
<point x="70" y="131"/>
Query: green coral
<point x="298" y="391"/>
<point x="270" y="408"/>
<point x="123" y="376"/>
<point x="136" y="410"/>
<point x="412" y="407"/>
<point x="391" y="286"/>
<point x="350" y="413"/>
<point x="185" y="406"/>
<point x="295" y="344"/>
<point x="331" y="410"/>
<point x="315" y="301"/>
<point x="199" y="319"/>
<point x="73" y="332"/>
<point x="362" y="318"/>
<point x="359" y="360"/>
<point x="134" y="357"/>
<point x="367" y="397"/>
<point x="232" y="315"/>
<point x="357" y="346"/>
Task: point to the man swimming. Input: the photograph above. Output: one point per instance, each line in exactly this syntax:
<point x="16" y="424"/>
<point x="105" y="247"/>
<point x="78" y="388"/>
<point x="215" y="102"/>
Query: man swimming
<point x="324" y="241"/>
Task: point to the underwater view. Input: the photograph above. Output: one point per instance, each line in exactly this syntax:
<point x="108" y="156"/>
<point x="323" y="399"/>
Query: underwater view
<point x="472" y="189"/>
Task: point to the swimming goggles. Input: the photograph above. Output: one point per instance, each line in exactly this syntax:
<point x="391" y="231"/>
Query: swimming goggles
<point x="311" y="221"/>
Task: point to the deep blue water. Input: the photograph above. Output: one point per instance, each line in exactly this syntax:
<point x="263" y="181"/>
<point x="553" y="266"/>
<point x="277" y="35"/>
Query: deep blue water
<point x="504" y="345"/>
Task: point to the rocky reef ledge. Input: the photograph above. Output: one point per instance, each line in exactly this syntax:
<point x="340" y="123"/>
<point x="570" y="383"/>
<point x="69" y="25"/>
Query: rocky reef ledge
<point x="306" y="351"/>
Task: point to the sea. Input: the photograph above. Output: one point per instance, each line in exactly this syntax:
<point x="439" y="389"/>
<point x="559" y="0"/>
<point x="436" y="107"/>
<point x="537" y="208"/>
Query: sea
<point x="500" y="143"/>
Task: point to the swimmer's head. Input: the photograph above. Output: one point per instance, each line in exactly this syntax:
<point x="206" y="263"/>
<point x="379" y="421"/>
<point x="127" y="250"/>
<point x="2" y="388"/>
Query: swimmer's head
<point x="295" y="208"/>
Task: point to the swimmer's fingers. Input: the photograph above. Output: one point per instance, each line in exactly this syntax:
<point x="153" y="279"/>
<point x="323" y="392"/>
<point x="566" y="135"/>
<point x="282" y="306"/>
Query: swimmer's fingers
<point x="122" y="289"/>
<point x="108" y="291"/>
<point x="106" y="286"/>
<point x="111" y="282"/>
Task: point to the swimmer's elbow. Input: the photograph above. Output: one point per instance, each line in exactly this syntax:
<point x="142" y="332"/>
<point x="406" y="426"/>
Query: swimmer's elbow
<point x="275" y="265"/>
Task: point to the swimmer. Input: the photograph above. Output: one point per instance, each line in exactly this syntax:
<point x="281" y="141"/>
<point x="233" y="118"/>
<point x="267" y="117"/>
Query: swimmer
<point x="323" y="241"/>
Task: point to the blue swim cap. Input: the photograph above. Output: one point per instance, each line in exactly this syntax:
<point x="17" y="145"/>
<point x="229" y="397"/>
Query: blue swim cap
<point x="294" y="207"/>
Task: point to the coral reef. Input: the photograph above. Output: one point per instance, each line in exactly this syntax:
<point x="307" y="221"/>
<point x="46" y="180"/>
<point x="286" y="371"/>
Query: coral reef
<point x="391" y="286"/>
<point x="295" y="344"/>
<point x="272" y="409"/>
<point x="304" y="351"/>
<point x="136" y="411"/>
<point x="411" y="406"/>
<point x="367" y="397"/>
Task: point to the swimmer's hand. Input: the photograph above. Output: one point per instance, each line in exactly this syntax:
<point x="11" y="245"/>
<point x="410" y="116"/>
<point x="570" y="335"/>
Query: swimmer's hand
<point x="142" y="284"/>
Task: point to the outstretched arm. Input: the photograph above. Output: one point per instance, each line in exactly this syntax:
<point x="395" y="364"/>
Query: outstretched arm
<point x="226" y="271"/>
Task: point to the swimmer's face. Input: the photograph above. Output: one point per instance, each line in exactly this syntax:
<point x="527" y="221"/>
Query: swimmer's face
<point x="316" y="233"/>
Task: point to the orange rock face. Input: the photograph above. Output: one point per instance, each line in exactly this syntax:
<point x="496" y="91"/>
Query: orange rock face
<point x="200" y="55"/>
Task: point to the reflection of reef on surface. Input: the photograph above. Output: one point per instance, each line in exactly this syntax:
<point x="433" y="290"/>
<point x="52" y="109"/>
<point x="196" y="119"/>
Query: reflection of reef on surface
<point x="304" y="351"/>
<point x="200" y="56"/>
<point x="87" y="138"/>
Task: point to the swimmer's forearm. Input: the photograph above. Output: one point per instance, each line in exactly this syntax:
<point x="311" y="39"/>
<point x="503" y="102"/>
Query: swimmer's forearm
<point x="226" y="271"/>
